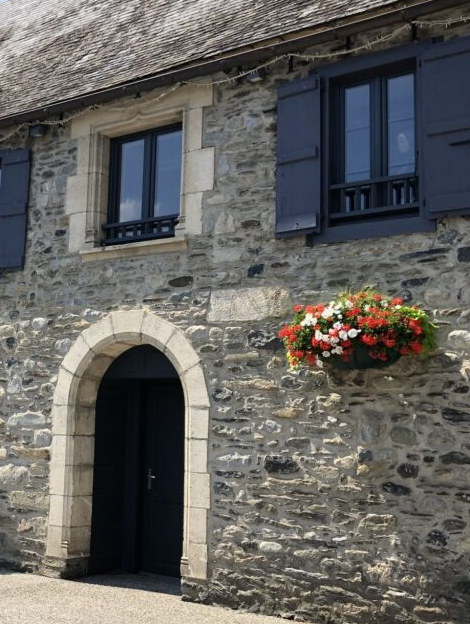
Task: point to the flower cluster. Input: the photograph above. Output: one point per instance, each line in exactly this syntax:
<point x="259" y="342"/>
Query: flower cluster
<point x="385" y="326"/>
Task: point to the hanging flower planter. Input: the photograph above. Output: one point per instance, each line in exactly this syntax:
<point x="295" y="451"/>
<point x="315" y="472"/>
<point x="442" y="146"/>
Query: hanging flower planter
<point x="361" y="359"/>
<point x="357" y="331"/>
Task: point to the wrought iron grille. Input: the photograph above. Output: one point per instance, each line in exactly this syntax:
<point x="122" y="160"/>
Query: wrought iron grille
<point x="144" y="229"/>
<point x="382" y="196"/>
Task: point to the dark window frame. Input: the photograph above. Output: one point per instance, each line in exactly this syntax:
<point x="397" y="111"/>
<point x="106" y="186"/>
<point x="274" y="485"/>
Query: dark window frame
<point x="148" y="227"/>
<point x="385" y="63"/>
<point x="381" y="184"/>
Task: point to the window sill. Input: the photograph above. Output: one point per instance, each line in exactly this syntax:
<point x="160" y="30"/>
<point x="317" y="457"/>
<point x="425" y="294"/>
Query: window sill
<point x="371" y="229"/>
<point x="141" y="248"/>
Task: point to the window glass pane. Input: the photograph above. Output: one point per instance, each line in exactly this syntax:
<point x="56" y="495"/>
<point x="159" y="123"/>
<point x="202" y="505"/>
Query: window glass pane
<point x="132" y="180"/>
<point x="168" y="174"/>
<point x="401" y="125"/>
<point x="357" y="133"/>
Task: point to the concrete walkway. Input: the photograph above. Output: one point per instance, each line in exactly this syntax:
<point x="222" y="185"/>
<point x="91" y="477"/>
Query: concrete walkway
<point x="119" y="599"/>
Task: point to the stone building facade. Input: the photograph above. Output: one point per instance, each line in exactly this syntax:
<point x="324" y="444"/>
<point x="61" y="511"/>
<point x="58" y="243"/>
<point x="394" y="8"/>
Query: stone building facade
<point x="324" y="496"/>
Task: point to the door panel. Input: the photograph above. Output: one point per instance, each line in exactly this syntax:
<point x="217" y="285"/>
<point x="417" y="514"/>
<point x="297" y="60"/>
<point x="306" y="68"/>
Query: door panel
<point x="107" y="531"/>
<point x="139" y="426"/>
<point x="162" y="536"/>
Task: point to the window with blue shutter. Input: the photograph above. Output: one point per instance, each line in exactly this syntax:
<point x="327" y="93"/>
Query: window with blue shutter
<point x="392" y="131"/>
<point x="14" y="193"/>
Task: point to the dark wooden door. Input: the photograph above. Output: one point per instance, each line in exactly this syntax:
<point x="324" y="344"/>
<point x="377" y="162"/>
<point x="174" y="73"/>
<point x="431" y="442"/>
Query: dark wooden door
<point x="137" y="516"/>
<point x="162" y="518"/>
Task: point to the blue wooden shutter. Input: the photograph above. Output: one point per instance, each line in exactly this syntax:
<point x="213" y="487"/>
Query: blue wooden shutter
<point x="298" y="199"/>
<point x="14" y="192"/>
<point x="445" y="106"/>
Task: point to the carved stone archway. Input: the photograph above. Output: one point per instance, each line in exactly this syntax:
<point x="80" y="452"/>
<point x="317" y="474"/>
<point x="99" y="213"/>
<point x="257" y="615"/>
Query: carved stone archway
<point x="73" y="423"/>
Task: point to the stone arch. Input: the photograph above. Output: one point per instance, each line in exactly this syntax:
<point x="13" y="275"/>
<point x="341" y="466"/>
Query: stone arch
<point x="73" y="417"/>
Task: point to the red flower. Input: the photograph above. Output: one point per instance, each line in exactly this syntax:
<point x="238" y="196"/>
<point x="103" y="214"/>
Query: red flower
<point x="315" y="343"/>
<point x="396" y="301"/>
<point x="369" y="340"/>
<point x="404" y="351"/>
<point x="415" y="326"/>
<point x="377" y="297"/>
<point x="298" y="308"/>
<point x="416" y="346"/>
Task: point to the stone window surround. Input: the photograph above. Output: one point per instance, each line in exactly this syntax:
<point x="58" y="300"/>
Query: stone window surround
<point x="73" y="417"/>
<point x="87" y="190"/>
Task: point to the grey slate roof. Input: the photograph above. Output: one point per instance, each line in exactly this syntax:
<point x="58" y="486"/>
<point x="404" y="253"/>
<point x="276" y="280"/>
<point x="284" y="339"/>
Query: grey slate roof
<point x="53" y="50"/>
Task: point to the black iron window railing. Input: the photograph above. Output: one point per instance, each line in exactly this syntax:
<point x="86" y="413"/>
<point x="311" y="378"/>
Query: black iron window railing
<point x="144" y="229"/>
<point x="381" y="196"/>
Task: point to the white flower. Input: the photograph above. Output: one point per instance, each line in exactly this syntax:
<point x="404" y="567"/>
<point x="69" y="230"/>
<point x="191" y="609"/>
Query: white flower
<point x="337" y="325"/>
<point x="343" y="334"/>
<point x="318" y="335"/>
<point x="384" y="303"/>
<point x="319" y="363"/>
<point x="349" y="304"/>
<point x="352" y="333"/>
<point x="367" y="308"/>
<point x="326" y="354"/>
<point x="308" y="320"/>
<point x="327" y="313"/>
<point x="337" y="350"/>
<point x="397" y="307"/>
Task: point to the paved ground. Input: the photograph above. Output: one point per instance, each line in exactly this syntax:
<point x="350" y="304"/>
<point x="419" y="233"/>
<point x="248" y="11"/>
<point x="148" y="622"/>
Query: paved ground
<point x="120" y="599"/>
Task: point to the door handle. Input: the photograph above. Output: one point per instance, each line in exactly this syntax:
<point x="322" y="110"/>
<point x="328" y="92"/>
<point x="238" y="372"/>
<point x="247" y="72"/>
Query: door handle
<point x="150" y="476"/>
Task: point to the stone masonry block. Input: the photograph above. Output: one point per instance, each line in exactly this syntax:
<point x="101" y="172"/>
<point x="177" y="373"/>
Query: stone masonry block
<point x="180" y="352"/>
<point x="127" y="325"/>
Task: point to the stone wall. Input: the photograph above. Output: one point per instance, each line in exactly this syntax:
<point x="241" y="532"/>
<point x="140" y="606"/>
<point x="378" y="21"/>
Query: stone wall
<point x="336" y="497"/>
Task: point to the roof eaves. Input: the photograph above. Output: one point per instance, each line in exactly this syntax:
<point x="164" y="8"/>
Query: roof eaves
<point x="254" y="53"/>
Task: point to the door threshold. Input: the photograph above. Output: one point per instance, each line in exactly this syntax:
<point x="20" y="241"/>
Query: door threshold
<point x="143" y="581"/>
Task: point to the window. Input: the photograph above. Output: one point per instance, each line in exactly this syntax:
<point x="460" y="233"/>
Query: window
<point x="375" y="145"/>
<point x="145" y="186"/>
<point x="374" y="161"/>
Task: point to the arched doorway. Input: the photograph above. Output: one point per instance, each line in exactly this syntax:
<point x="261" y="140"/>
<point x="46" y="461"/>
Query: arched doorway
<point x="138" y="478"/>
<point x="73" y="430"/>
